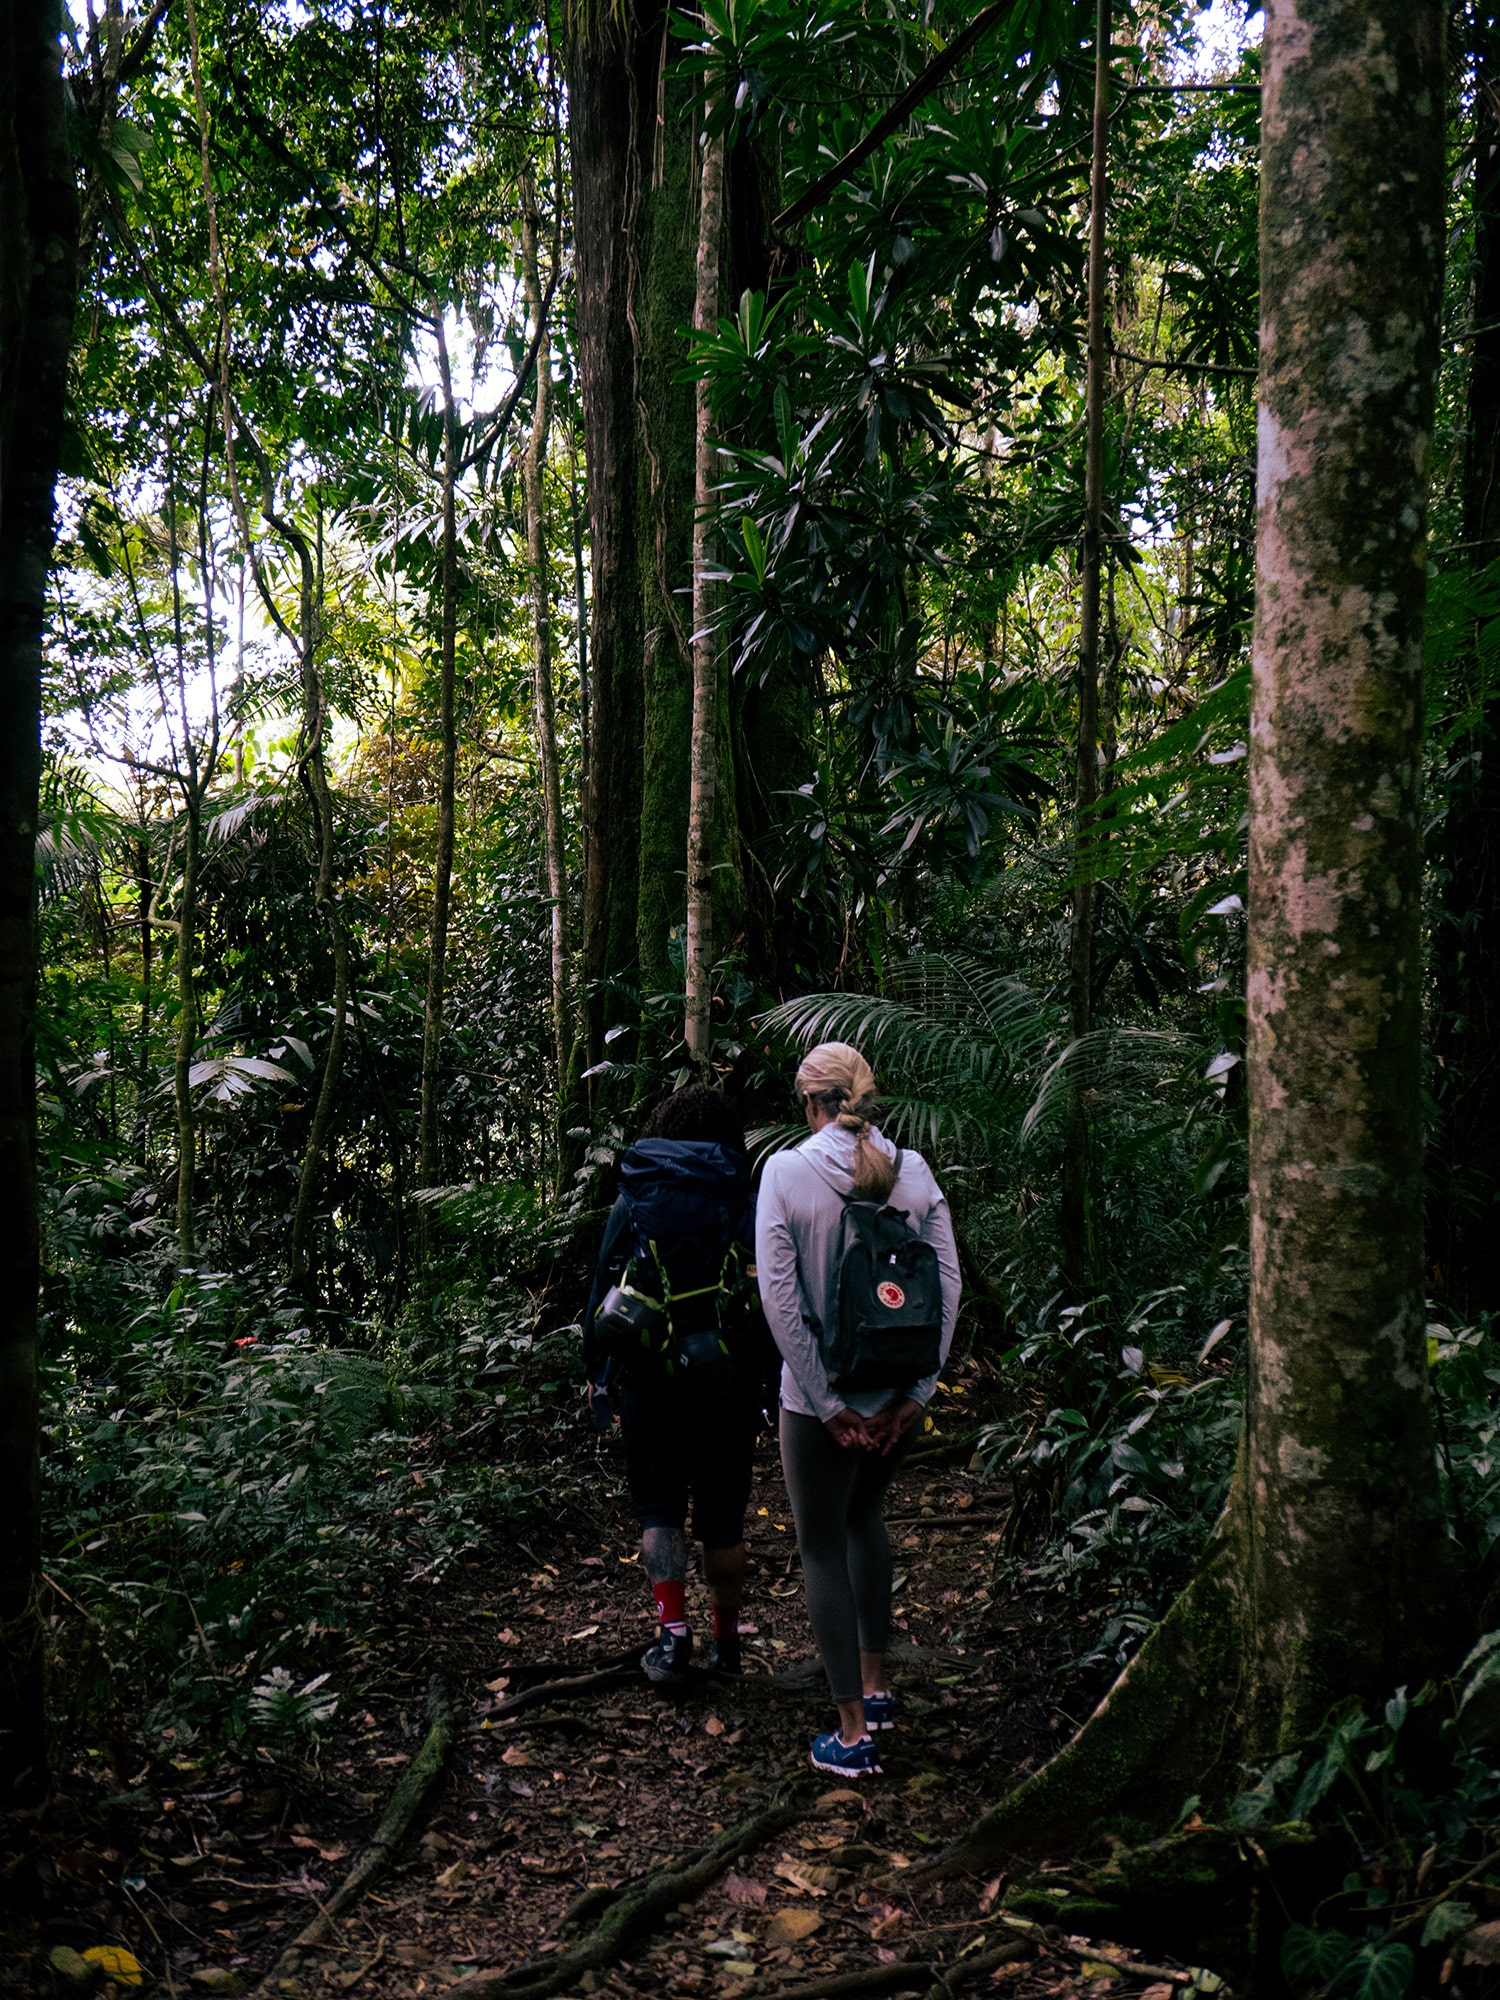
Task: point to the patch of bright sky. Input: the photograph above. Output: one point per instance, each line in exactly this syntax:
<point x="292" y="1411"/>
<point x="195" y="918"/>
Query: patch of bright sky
<point x="1223" y="32"/>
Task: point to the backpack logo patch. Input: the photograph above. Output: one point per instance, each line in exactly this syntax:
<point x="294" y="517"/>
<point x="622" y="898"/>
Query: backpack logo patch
<point x="890" y="1295"/>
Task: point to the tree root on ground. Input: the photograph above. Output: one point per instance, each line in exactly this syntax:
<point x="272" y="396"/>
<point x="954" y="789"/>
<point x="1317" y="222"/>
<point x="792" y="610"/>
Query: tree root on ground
<point x="937" y="1981"/>
<point x="564" y="1690"/>
<point x="1168" y="1726"/>
<point x="975" y="1519"/>
<point x="415" y="1785"/>
<point x="636" y="1909"/>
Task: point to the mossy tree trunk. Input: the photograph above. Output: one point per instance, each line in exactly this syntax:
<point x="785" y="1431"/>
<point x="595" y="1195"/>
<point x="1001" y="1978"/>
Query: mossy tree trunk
<point x="38" y="264"/>
<point x="1330" y="1576"/>
<point x="634" y="147"/>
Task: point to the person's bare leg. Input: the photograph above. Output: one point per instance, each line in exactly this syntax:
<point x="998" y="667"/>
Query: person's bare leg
<point x="851" y="1721"/>
<point x="872" y="1673"/>
<point x="724" y="1573"/>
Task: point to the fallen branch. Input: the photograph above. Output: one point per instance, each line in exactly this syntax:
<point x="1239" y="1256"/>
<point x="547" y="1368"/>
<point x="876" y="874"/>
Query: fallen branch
<point x="562" y="1690"/>
<point x="636" y="1910"/>
<point x="972" y="1518"/>
<point x="900" y="1975"/>
<point x="414" y="1787"/>
<point x="1131" y="1968"/>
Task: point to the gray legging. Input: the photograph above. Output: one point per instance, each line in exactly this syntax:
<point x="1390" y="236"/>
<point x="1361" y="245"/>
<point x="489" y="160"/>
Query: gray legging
<point x="836" y="1496"/>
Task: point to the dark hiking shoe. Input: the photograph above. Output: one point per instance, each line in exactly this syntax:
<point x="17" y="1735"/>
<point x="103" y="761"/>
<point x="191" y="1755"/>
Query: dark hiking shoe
<point x="880" y="1710"/>
<point x="845" y="1760"/>
<point x="724" y="1655"/>
<point x="666" y="1663"/>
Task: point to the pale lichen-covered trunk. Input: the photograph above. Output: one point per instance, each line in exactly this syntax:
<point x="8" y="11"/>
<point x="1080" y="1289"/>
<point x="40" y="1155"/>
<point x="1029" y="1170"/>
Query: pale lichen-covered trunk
<point x="1330" y="1574"/>
<point x="1344" y="1544"/>
<point x="707" y="643"/>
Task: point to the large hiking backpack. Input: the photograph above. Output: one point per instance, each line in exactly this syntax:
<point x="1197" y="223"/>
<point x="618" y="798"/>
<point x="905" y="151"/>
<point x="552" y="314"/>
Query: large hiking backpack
<point x="890" y="1327"/>
<point x="687" y="1296"/>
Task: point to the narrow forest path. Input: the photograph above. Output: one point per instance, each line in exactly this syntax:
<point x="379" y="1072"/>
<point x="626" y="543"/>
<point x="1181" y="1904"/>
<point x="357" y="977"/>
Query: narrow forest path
<point x="211" y="1878"/>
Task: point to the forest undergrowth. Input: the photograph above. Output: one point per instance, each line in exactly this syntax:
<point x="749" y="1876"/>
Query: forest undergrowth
<point x="243" y="1666"/>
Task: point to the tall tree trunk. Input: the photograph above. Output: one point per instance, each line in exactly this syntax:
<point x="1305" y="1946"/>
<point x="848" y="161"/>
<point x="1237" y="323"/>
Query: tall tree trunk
<point x="1331" y="1576"/>
<point x="1074" y="1217"/>
<point x="708" y="652"/>
<point x="1464" y="1183"/>
<point x="325" y="897"/>
<point x="611" y="73"/>
<point x="187" y="1029"/>
<point x="38" y="246"/>
<point x="442" y="875"/>
<point x="1347" y="1554"/>
<point x="533" y="477"/>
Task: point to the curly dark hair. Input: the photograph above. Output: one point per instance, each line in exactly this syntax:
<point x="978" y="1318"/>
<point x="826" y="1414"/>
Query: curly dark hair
<point x="697" y="1111"/>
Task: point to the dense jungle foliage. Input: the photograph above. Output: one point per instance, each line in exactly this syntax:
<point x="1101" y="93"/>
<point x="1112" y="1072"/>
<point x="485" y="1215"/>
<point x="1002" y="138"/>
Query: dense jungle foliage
<point x="351" y="998"/>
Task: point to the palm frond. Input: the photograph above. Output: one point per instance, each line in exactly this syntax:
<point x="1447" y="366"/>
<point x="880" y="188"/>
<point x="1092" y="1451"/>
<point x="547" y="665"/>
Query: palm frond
<point x="1125" y="1068"/>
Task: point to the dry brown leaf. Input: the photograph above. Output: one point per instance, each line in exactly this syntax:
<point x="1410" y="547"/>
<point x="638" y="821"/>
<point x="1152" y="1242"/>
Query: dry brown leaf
<point x="1160" y="1991"/>
<point x="453" y="1874"/>
<point x="888" y="1920"/>
<point x="792" y="1926"/>
<point x="713" y="1727"/>
<point x="515" y="1756"/>
<point x="744" y="1890"/>
<point x="507" y="1638"/>
<point x="802" y="1875"/>
<point x="498" y="1686"/>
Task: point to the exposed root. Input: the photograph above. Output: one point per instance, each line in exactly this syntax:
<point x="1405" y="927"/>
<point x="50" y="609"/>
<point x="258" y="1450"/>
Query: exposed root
<point x="415" y="1786"/>
<point x="1168" y="1725"/>
<point x="563" y="1690"/>
<point x="636" y="1909"/>
<point x="903" y="1976"/>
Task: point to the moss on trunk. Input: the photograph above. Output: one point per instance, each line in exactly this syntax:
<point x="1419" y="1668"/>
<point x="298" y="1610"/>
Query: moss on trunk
<point x="1331" y="1575"/>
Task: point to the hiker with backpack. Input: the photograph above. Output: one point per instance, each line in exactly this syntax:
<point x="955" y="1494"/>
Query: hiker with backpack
<point x="859" y="1278"/>
<point x="673" y="1331"/>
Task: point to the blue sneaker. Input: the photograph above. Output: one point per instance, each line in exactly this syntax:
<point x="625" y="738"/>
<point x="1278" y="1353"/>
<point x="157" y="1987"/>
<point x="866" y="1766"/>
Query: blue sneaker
<point x="880" y="1710"/>
<point x="845" y="1760"/>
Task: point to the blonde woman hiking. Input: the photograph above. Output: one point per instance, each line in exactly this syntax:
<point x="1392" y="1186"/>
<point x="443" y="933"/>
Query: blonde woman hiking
<point x="860" y="1284"/>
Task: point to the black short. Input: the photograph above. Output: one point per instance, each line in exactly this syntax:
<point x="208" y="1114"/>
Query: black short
<point x="674" y="1451"/>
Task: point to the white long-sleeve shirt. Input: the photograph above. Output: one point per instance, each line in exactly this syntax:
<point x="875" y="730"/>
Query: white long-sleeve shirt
<point x="799" y="1218"/>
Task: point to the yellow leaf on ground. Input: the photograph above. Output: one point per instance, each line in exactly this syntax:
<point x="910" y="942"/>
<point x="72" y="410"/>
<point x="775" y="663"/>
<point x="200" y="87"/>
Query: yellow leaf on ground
<point x="792" y="1926"/>
<point x="118" y="1964"/>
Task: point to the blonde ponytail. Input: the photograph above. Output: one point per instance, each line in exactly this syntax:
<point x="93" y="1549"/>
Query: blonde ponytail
<point x="874" y="1174"/>
<point x="837" y="1077"/>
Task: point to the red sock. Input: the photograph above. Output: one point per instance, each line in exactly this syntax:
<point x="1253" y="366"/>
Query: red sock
<point x="671" y="1604"/>
<point x="726" y="1621"/>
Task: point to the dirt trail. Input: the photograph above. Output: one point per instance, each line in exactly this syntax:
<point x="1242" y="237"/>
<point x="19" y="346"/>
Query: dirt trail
<point x="209" y="1883"/>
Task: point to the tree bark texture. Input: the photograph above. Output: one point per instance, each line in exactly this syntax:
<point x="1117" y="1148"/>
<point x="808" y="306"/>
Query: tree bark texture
<point x="442" y="874"/>
<point x="1074" y="1218"/>
<point x="707" y="642"/>
<point x="1464" y="1177"/>
<point x="1345" y="1546"/>
<point x="533" y="474"/>
<point x="187" y="1026"/>
<point x="1330" y="1575"/>
<point x="38" y="250"/>
<point x="325" y="897"/>
<point x="635" y="185"/>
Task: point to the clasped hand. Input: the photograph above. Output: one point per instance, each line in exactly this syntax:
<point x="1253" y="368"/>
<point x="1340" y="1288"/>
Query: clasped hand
<point x="880" y="1433"/>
